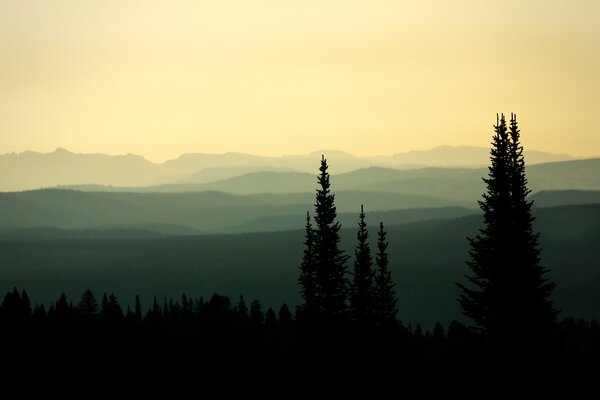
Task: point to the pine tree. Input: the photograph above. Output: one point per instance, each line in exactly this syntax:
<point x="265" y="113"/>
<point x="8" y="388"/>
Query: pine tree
<point x="104" y="307"/>
<point x="537" y="315"/>
<point x="257" y="317"/>
<point x="270" y="318"/>
<point x="63" y="309"/>
<point x="361" y="287"/>
<point x="284" y="315"/>
<point x="25" y="308"/>
<point x="138" y="309"/>
<point x="87" y="306"/>
<point x="508" y="297"/>
<point x="330" y="260"/>
<point x="384" y="293"/>
<point x="307" y="271"/>
<point x="242" y="310"/>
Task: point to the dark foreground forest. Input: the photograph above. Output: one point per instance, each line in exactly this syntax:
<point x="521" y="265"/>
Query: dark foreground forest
<point x="343" y="341"/>
<point x="214" y="349"/>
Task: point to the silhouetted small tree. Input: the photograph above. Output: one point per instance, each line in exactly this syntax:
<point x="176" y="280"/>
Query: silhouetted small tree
<point x="285" y="316"/>
<point x="110" y="309"/>
<point x="270" y="318"/>
<point x="307" y="279"/>
<point x="257" y="317"/>
<point x="87" y="306"/>
<point x="241" y="310"/>
<point x="361" y="287"/>
<point x="384" y="293"/>
<point x="15" y="307"/>
<point x="138" y="309"/>
<point x="62" y="310"/>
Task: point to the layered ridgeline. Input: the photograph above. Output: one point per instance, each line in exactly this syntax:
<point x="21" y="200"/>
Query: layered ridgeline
<point x="426" y="258"/>
<point x="267" y="201"/>
<point x="31" y="170"/>
<point x="58" y="240"/>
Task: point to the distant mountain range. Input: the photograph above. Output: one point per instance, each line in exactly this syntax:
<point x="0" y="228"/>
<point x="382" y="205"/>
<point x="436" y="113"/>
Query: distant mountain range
<point x="32" y="170"/>
<point x="452" y="186"/>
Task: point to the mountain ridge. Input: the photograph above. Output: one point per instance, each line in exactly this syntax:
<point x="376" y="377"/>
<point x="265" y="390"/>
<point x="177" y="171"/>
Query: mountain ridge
<point x="33" y="170"/>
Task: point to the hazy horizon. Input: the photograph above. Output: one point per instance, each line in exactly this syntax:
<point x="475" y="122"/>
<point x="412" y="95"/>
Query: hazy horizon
<point x="284" y="155"/>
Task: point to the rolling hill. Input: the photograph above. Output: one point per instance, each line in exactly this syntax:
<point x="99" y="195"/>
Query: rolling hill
<point x="196" y="212"/>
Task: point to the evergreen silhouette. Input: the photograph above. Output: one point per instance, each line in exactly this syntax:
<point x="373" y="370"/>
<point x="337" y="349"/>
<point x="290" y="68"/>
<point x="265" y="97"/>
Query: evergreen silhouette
<point x="307" y="279"/>
<point x="257" y="317"/>
<point x="270" y="318"/>
<point x="508" y="298"/>
<point x="16" y="307"/>
<point x="138" y="309"/>
<point x="384" y="301"/>
<point x="284" y="315"/>
<point x="361" y="286"/>
<point x="330" y="261"/>
<point x="509" y="285"/>
<point x="63" y="309"/>
<point x="110" y="309"/>
<point x="87" y="306"/>
<point x="242" y="310"/>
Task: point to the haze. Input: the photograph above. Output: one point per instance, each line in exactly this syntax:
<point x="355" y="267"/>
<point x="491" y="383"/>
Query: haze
<point x="269" y="77"/>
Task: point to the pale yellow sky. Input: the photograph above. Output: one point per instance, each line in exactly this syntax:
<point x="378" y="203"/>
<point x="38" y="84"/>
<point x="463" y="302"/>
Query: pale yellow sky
<point x="272" y="77"/>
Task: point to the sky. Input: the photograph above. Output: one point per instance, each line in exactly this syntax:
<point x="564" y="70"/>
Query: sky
<point x="274" y="77"/>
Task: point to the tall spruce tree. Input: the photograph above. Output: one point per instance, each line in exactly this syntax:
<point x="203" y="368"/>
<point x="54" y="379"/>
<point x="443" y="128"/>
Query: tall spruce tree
<point x="384" y="294"/>
<point x="508" y="297"/>
<point x="361" y="287"/>
<point x="330" y="261"/>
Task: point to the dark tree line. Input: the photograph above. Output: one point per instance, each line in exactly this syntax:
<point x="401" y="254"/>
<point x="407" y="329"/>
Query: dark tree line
<point x="343" y="342"/>
<point x="218" y="348"/>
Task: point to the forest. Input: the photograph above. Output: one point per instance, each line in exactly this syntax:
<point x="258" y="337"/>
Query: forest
<point x="344" y="340"/>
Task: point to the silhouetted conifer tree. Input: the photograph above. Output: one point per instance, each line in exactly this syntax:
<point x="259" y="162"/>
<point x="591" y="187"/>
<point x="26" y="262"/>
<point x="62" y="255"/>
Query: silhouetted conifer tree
<point x="187" y="308"/>
<point x="361" y="286"/>
<point x="307" y="277"/>
<point x="508" y="287"/>
<point x="62" y="310"/>
<point x="285" y="316"/>
<point x="104" y="306"/>
<point x="242" y="310"/>
<point x="39" y="313"/>
<point x="25" y="306"/>
<point x="138" y="309"/>
<point x="12" y="308"/>
<point x="330" y="261"/>
<point x="257" y="316"/>
<point x="270" y="318"/>
<point x="508" y="298"/>
<point x="87" y="306"/>
<point x="384" y="293"/>
<point x="438" y="332"/>
<point x="110" y="309"/>
<point x="218" y="309"/>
